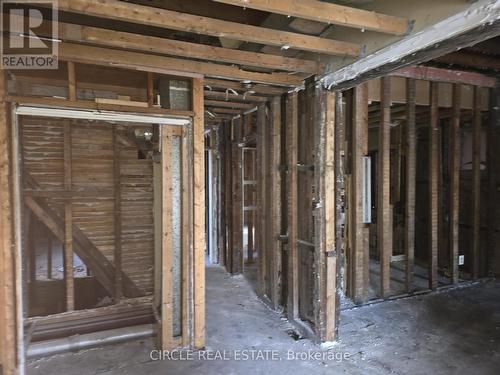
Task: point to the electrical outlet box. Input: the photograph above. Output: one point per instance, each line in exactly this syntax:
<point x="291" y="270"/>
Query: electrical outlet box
<point x="461" y="260"/>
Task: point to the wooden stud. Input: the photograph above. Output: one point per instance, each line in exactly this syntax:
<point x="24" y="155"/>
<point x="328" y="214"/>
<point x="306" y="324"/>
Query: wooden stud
<point x="493" y="168"/>
<point x="454" y="192"/>
<point x="8" y="321"/>
<point x="433" y="186"/>
<point x="198" y="213"/>
<point x="321" y="11"/>
<point x="384" y="207"/>
<point x="117" y="217"/>
<point x="68" y="221"/>
<point x="49" y="254"/>
<point x="261" y="224"/>
<point x="293" y="256"/>
<point x="360" y="256"/>
<point x="167" y="310"/>
<point x="172" y="20"/>
<point x="324" y="216"/>
<point x="476" y="184"/>
<point x="410" y="180"/>
<point x="236" y="265"/>
<point x="274" y="203"/>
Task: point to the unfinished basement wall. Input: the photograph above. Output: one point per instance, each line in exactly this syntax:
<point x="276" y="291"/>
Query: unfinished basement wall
<point x="422" y="206"/>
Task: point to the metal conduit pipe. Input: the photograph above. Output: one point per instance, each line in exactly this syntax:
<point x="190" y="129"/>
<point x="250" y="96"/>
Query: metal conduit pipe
<point x="90" y="340"/>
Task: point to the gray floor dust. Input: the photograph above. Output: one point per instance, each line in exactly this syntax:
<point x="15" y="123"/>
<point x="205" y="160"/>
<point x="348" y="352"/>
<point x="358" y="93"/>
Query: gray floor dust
<point x="452" y="332"/>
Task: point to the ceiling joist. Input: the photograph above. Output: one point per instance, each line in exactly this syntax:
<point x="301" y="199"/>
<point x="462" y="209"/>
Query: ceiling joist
<point x="166" y="65"/>
<point x="242" y="87"/>
<point x="119" y="39"/>
<point x="122" y="11"/>
<point x="231" y="96"/>
<point x="329" y="13"/>
<point x="222" y="104"/>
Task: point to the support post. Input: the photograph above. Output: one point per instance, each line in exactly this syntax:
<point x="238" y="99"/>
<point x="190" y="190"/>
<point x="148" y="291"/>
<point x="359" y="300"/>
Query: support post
<point x="261" y="196"/>
<point x="71" y="82"/>
<point x="117" y="217"/>
<point x="411" y="165"/>
<point x="274" y="203"/>
<point x="476" y="184"/>
<point x="198" y="214"/>
<point x="384" y="207"/>
<point x="433" y="185"/>
<point x="291" y="152"/>
<point x="236" y="249"/>
<point x="324" y="221"/>
<point x="360" y="256"/>
<point x="454" y="181"/>
<point x="68" y="221"/>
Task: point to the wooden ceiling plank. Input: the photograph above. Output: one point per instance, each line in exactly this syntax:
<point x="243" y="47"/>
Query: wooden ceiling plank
<point x="329" y="13"/>
<point x="166" y="65"/>
<point x="122" y="11"/>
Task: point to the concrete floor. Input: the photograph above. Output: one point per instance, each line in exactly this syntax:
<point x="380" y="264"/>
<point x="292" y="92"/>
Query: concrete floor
<point x="457" y="331"/>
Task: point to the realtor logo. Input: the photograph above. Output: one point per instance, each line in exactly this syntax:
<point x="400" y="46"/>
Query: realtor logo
<point x="29" y="34"/>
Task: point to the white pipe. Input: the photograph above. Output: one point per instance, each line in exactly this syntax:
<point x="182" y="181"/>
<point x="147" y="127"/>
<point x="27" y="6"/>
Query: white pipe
<point x="90" y="340"/>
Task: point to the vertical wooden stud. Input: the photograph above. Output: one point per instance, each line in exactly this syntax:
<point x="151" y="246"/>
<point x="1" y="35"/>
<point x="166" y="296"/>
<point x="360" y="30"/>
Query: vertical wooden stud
<point x="71" y="81"/>
<point x="454" y="181"/>
<point x="476" y="183"/>
<point x="261" y="196"/>
<point x="150" y="88"/>
<point x="68" y="221"/>
<point x="411" y="165"/>
<point x="291" y="152"/>
<point x="198" y="214"/>
<point x="433" y="185"/>
<point x="384" y="209"/>
<point x="359" y="247"/>
<point x="117" y="217"/>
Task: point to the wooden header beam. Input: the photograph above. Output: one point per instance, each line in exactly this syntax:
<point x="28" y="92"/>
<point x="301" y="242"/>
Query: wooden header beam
<point x="428" y="73"/>
<point x="166" y="65"/>
<point x="119" y="10"/>
<point x="219" y="103"/>
<point x="329" y="13"/>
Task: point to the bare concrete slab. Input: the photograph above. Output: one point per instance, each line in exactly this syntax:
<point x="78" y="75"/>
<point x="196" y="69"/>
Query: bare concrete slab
<point x="456" y="331"/>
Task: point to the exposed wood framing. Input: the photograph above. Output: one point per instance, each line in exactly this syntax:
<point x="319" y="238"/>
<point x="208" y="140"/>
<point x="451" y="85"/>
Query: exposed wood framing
<point x="433" y="148"/>
<point x="198" y="216"/>
<point x="293" y="256"/>
<point x="8" y="323"/>
<point x="166" y="65"/>
<point x="228" y="104"/>
<point x="321" y="11"/>
<point x="493" y="158"/>
<point x="432" y="74"/>
<point x="117" y="10"/>
<point x="125" y="40"/>
<point x="71" y="81"/>
<point x="230" y="96"/>
<point x="274" y="227"/>
<point x="410" y="178"/>
<point x="384" y="206"/>
<point x="150" y="89"/>
<point x="261" y="197"/>
<point x="359" y="245"/>
<point x="324" y="217"/>
<point x="454" y="189"/>
<point x="117" y="217"/>
<point x="167" y="312"/>
<point x="236" y="265"/>
<point x="476" y="185"/>
<point x="68" y="222"/>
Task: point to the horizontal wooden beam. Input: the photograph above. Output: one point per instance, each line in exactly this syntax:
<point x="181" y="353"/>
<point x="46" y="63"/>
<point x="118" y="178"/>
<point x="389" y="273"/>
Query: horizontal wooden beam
<point x="122" y="11"/>
<point x="242" y="87"/>
<point x="219" y="103"/>
<point x="230" y="96"/>
<point x="470" y="59"/>
<point x="125" y="40"/>
<point x="88" y="104"/>
<point x="428" y="73"/>
<point x="329" y="13"/>
<point x="166" y="65"/>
